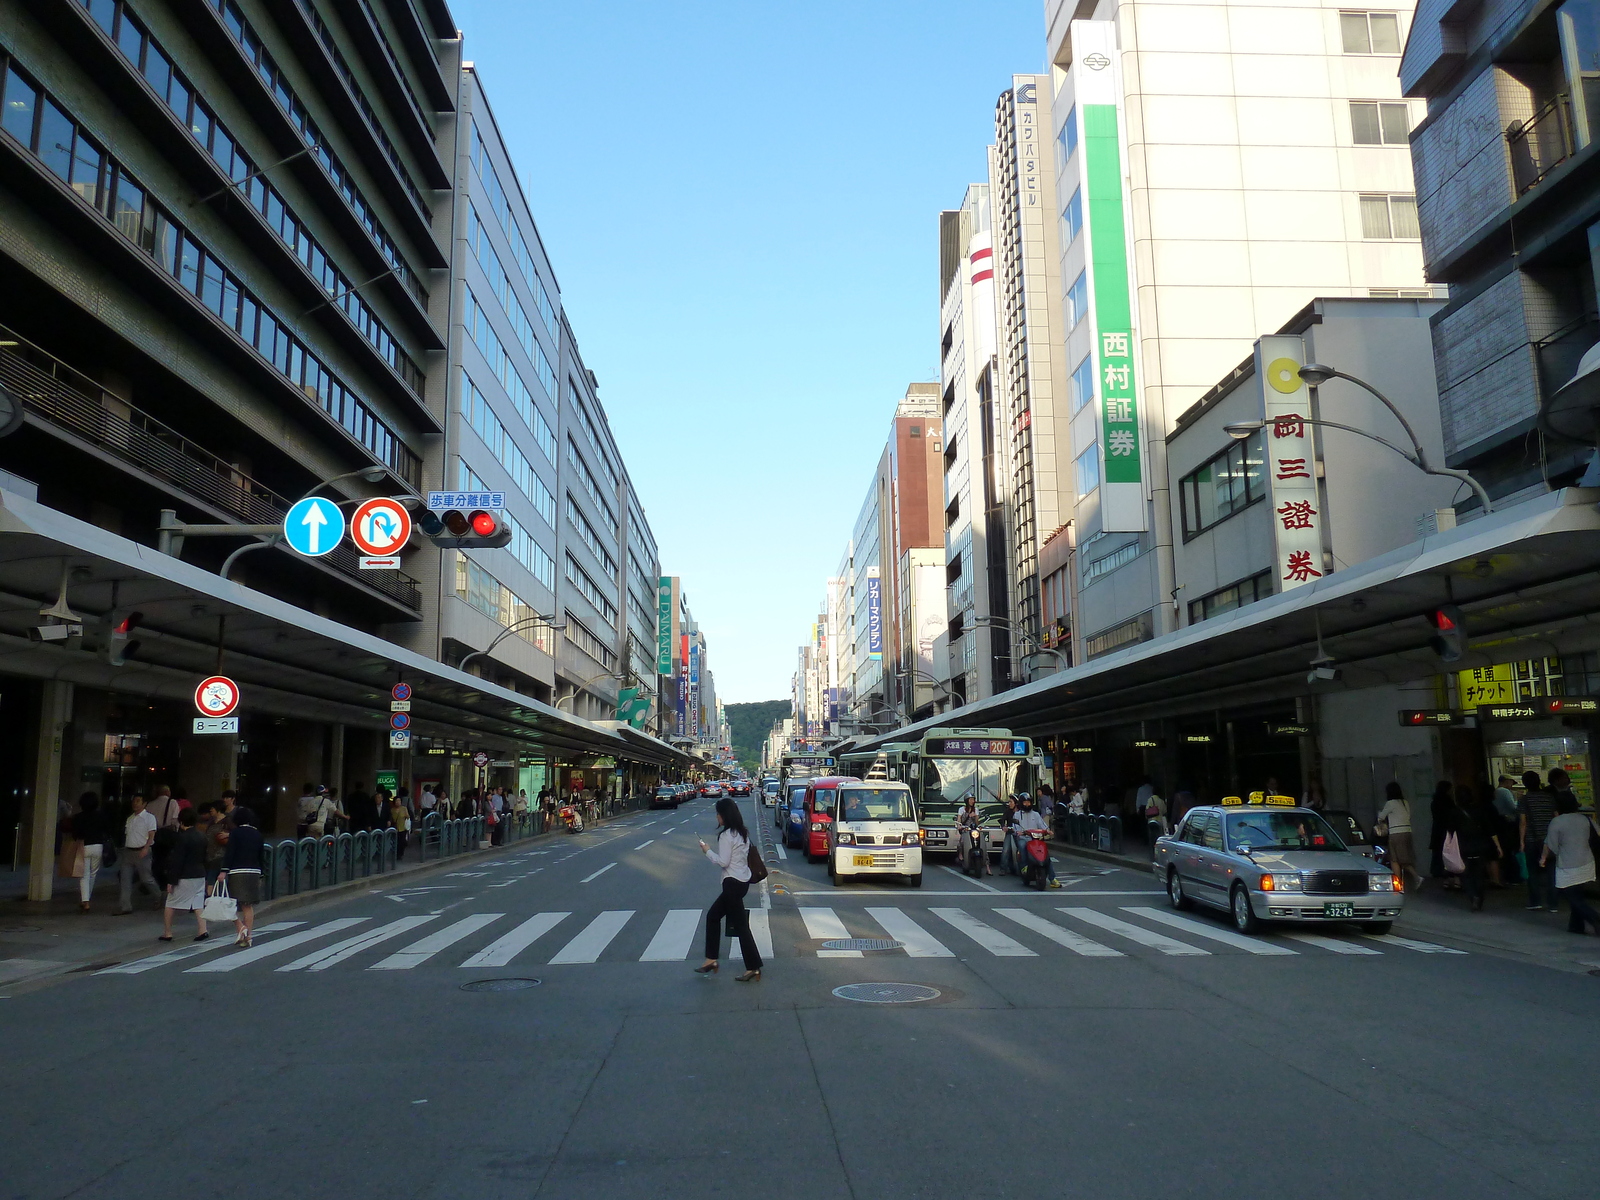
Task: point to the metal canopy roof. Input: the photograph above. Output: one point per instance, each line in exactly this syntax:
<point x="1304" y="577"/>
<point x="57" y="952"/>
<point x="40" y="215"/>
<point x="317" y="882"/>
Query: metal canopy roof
<point x="288" y="661"/>
<point x="1527" y="579"/>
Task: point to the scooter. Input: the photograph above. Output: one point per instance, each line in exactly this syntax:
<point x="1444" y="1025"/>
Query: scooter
<point x="1035" y="860"/>
<point x="972" y="853"/>
<point x="573" y="818"/>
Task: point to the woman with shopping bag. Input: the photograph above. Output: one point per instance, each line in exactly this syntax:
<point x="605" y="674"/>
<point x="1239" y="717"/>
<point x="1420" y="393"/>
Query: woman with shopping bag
<point x="1442" y="810"/>
<point x="240" y="880"/>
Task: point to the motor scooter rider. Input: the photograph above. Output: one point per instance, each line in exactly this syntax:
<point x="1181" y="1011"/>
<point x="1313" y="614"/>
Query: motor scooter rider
<point x="1028" y="819"/>
<point x="969" y="822"/>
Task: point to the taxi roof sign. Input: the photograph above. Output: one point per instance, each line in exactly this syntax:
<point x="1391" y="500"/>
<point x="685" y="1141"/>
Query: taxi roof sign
<point x="1260" y="800"/>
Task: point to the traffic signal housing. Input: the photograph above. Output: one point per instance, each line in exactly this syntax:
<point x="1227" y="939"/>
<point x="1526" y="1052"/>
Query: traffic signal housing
<point x="1449" y="639"/>
<point x="466" y="529"/>
<point x="119" y="647"/>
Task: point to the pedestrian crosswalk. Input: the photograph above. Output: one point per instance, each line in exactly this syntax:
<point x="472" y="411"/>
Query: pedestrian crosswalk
<point x="556" y="939"/>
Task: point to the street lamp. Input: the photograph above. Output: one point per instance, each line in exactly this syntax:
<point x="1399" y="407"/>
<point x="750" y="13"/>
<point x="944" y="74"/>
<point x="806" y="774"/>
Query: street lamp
<point x="1315" y="374"/>
<point x="507" y="632"/>
<point x="1039" y="647"/>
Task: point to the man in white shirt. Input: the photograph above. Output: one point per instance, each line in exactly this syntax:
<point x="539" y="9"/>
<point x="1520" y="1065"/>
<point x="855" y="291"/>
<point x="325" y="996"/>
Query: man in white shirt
<point x="137" y="839"/>
<point x="306" y="808"/>
<point x="164" y="809"/>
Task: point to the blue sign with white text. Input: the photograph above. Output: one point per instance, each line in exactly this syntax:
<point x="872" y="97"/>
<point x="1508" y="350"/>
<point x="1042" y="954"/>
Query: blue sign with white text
<point x="313" y="527"/>
<point x="874" y="617"/>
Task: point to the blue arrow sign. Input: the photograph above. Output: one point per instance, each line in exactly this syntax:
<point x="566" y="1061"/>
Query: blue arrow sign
<point x="313" y="527"/>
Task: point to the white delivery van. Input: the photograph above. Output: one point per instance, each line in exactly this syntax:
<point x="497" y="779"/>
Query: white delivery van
<point x="875" y="832"/>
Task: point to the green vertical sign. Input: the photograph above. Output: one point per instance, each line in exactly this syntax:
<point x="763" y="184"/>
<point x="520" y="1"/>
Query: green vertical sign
<point x="664" y="626"/>
<point x="1108" y="252"/>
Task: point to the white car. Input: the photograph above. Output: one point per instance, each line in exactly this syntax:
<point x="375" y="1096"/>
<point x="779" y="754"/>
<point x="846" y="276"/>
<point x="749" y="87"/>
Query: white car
<point x="875" y="832"/>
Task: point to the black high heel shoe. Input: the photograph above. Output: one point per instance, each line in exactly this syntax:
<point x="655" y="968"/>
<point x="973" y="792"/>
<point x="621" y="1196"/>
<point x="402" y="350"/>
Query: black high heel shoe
<point x="711" y="969"/>
<point x="749" y="977"/>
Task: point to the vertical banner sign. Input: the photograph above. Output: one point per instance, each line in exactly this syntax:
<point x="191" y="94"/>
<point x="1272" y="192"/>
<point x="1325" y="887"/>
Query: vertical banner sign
<point x="1122" y="496"/>
<point x="664" y="627"/>
<point x="1291" y="462"/>
<point x="874" y="616"/>
<point x="694" y="687"/>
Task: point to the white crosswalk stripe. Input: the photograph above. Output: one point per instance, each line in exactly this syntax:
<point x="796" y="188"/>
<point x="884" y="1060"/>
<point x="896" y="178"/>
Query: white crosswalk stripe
<point x="1216" y="933"/>
<point x="824" y="924"/>
<point x="329" y="956"/>
<point x="142" y="965"/>
<point x="1134" y="933"/>
<point x="420" y="952"/>
<point x="674" y="938"/>
<point x="506" y="947"/>
<point x="1392" y="939"/>
<point x="596" y="936"/>
<point x="761" y="929"/>
<point x="244" y="958"/>
<point x="1075" y="942"/>
<point x="987" y="936"/>
<point x="1335" y="945"/>
<point x="919" y="943"/>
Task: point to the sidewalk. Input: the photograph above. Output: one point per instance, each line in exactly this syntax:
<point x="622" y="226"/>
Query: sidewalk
<point x="1503" y="928"/>
<point x="39" y="939"/>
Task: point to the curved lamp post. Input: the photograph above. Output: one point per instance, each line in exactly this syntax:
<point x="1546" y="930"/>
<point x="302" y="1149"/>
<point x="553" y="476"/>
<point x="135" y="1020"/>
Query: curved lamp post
<point x="507" y="632"/>
<point x="1316" y="374"/>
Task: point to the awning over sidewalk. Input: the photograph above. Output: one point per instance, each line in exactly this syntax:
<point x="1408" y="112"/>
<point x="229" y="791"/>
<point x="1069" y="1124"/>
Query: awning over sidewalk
<point x="288" y="661"/>
<point x="1527" y="579"/>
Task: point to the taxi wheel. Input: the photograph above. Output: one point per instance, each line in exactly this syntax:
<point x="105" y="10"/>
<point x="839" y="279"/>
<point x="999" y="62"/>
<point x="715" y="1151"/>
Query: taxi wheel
<point x="1175" y="891"/>
<point x="1244" y="920"/>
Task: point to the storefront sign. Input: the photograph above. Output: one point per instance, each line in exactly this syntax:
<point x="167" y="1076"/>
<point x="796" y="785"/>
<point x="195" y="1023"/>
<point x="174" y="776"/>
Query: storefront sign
<point x="1122" y="498"/>
<point x="1198" y="739"/>
<point x="874" y="615"/>
<point x="1567" y="706"/>
<point x="664" y="626"/>
<point x="1528" y="710"/>
<point x="1148" y="743"/>
<point x="387" y="781"/>
<point x="1287" y="729"/>
<point x="1412" y="717"/>
<point x="1290" y="464"/>
<point x="1080" y="749"/>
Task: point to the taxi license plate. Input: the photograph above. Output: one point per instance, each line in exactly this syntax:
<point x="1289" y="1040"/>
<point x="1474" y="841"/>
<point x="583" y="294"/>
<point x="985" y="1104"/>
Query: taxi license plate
<point x="862" y="860"/>
<point x="1338" y="910"/>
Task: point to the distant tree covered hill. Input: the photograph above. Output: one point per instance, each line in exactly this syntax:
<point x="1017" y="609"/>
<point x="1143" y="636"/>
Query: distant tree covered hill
<point x="751" y="724"/>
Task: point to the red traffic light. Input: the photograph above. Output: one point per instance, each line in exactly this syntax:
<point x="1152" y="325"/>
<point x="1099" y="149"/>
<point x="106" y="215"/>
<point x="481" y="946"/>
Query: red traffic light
<point x="1443" y="620"/>
<point x="483" y="523"/>
<point x="474" y="529"/>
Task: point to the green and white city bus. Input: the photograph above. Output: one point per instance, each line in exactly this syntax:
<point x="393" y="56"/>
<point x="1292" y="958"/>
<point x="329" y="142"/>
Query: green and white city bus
<point x="945" y="767"/>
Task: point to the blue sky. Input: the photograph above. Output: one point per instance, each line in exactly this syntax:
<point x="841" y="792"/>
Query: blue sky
<point x="741" y="203"/>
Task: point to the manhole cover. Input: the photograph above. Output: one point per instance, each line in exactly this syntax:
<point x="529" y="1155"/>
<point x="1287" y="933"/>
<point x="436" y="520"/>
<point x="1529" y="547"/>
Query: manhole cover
<point x="499" y="985"/>
<point x="19" y="929"/>
<point x="862" y="944"/>
<point x="886" y="993"/>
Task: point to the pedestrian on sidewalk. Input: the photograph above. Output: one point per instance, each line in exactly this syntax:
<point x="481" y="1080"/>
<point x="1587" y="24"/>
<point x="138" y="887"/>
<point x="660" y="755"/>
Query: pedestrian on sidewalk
<point x="1535" y="811"/>
<point x="186" y="877"/>
<point x="1395" y="819"/>
<point x="138" y="841"/>
<point x="401" y="820"/>
<point x="1503" y="802"/>
<point x="362" y="808"/>
<point x="164" y="808"/>
<point x="1010" y="856"/>
<point x="88" y="827"/>
<point x="1566" y="845"/>
<point x="732" y="856"/>
<point x="1479" y="846"/>
<point x="217" y="827"/>
<point x="241" y="871"/>
<point x="305" y="809"/>
<point x="1442" y="809"/>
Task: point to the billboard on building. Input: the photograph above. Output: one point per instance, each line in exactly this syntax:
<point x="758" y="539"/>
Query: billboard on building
<point x="928" y="618"/>
<point x="874" y="615"/>
<point x="1291" y="462"/>
<point x="664" y="626"/>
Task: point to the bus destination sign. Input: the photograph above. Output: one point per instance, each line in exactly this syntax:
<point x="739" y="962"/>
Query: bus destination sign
<point x="978" y="747"/>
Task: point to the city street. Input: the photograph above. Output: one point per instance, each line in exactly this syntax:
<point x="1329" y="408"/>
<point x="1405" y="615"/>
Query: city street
<point x="1086" y="1041"/>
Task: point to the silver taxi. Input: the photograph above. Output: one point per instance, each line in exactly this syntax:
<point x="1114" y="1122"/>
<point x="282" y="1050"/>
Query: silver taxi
<point x="1271" y="860"/>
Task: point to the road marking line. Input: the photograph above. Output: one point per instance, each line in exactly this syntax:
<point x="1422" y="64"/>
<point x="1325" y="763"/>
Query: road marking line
<point x="328" y="956"/>
<point x="761" y="928"/>
<point x="596" y="936"/>
<point x="782" y="853"/>
<point x="1135" y="933"/>
<point x="1200" y="929"/>
<point x="674" y="938"/>
<point x="598" y="873"/>
<point x="823" y="923"/>
<point x="1075" y="942"/>
<point x="968" y="879"/>
<point x="172" y="956"/>
<point x="506" y="947"/>
<point x="919" y="943"/>
<point x="1337" y="945"/>
<point x="642" y="845"/>
<point x="987" y="936"/>
<point x="1419" y="947"/>
<point x="421" y="952"/>
<point x="256" y="953"/>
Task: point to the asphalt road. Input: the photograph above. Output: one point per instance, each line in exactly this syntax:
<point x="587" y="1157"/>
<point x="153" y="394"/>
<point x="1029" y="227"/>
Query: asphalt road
<point x="1080" y="1044"/>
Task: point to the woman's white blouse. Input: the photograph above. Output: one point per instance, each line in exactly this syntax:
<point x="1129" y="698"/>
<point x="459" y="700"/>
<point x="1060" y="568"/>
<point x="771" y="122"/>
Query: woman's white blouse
<point x="732" y="854"/>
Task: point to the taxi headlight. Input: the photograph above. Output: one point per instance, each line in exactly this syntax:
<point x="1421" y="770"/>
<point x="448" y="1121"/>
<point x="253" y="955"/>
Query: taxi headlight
<point x="845" y="839"/>
<point x="1282" y="883"/>
<point x="1383" y="883"/>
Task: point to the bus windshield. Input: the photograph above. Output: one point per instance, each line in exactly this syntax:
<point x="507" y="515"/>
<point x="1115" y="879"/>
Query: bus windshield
<point x="947" y="782"/>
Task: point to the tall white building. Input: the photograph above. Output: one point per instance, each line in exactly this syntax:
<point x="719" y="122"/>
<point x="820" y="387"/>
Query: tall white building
<point x="1217" y="167"/>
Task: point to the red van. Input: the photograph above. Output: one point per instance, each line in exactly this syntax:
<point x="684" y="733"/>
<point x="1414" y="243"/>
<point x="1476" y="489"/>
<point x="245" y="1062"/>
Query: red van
<point x="821" y="795"/>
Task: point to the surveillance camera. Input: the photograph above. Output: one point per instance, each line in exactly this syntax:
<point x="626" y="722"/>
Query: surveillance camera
<point x="1323" y="675"/>
<point x="54" y="633"/>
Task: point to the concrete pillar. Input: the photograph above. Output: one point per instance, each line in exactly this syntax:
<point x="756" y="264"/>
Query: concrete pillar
<point x="55" y="705"/>
<point x="336" y="759"/>
<point x="300" y="761"/>
<point x="209" y="764"/>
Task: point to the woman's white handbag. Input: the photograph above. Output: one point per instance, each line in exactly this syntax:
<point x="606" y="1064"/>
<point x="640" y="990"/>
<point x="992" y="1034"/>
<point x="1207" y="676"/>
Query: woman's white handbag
<point x="219" y="905"/>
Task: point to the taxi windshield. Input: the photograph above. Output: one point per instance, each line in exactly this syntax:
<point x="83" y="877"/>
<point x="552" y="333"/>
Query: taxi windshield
<point x="1281" y="831"/>
<point x="875" y="804"/>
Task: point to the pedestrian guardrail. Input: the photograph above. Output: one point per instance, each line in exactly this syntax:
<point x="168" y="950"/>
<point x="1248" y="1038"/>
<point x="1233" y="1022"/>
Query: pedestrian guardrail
<point x="1094" y="831"/>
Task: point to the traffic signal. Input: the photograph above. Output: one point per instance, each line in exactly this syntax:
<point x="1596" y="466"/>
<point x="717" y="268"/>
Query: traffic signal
<point x="466" y="529"/>
<point x="119" y="649"/>
<point x="1449" y="639"/>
